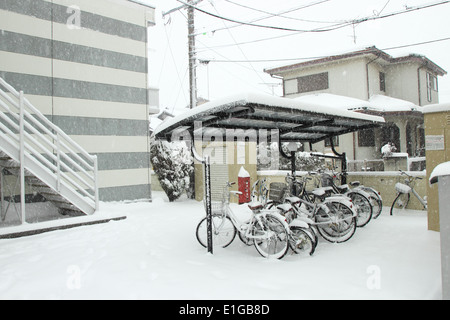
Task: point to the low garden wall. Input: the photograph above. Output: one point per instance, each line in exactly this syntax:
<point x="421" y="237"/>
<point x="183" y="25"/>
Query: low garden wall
<point x="383" y="181"/>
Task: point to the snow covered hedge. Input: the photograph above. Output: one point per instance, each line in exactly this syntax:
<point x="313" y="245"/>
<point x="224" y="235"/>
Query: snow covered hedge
<point x="173" y="164"/>
<point x="269" y="158"/>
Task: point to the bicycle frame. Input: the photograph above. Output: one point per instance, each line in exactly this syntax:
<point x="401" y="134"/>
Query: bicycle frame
<point x="248" y="227"/>
<point x="313" y="208"/>
<point x="244" y="226"/>
<point x="422" y="201"/>
<point x="410" y="183"/>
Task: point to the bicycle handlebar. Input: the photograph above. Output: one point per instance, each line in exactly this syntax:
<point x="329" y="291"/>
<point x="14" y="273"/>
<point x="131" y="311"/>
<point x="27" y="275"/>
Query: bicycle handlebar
<point x="410" y="176"/>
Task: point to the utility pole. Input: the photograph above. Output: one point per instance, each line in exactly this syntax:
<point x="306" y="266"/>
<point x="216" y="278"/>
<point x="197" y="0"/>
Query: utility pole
<point x="192" y="50"/>
<point x="192" y="55"/>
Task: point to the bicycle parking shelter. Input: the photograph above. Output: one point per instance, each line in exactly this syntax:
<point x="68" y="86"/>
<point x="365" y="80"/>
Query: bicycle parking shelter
<point x="256" y="115"/>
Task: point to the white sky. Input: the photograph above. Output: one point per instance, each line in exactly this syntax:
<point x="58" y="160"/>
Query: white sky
<point x="169" y="53"/>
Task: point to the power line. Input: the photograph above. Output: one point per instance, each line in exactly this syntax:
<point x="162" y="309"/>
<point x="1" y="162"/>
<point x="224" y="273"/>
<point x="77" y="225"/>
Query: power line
<point x="240" y="49"/>
<point x="282" y="13"/>
<point x="320" y="57"/>
<point x="259" y="25"/>
<point x="174" y="62"/>
<point x="327" y="29"/>
<point x="271" y="15"/>
<point x="331" y="28"/>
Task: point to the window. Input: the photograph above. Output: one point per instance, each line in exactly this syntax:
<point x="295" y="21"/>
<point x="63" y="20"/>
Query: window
<point x="290" y="86"/>
<point x="313" y="82"/>
<point x="366" y="138"/>
<point x="335" y="141"/>
<point x="432" y="85"/>
<point x="382" y="82"/>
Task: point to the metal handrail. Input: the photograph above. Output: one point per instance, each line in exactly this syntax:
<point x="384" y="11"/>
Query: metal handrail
<point x="49" y="146"/>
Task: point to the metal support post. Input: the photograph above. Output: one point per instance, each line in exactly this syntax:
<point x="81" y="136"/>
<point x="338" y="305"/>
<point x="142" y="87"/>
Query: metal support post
<point x="293" y="172"/>
<point x="192" y="56"/>
<point x="206" y="161"/>
<point x="208" y="202"/>
<point x="291" y="157"/>
<point x="2" y="197"/>
<point x="343" y="157"/>
<point x="96" y="195"/>
<point x="58" y="163"/>
<point x="22" y="157"/>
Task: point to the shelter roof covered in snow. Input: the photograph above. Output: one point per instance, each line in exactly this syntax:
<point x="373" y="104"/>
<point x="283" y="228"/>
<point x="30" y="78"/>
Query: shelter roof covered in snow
<point x="295" y="120"/>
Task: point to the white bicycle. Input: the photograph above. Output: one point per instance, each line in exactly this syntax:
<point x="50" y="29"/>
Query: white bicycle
<point x="404" y="191"/>
<point x="266" y="230"/>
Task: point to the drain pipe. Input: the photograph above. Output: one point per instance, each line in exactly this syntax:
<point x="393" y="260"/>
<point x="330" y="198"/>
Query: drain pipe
<point x="419" y="85"/>
<point x="367" y="76"/>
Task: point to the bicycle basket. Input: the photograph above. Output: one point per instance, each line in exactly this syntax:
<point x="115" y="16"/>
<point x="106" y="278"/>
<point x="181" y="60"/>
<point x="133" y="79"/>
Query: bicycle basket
<point x="217" y="207"/>
<point x="326" y="180"/>
<point x="277" y="191"/>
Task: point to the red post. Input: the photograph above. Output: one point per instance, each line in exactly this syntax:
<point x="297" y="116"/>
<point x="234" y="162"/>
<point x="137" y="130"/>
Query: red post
<point x="244" y="186"/>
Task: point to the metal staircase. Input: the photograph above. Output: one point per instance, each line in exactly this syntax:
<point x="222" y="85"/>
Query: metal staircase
<point x="41" y="155"/>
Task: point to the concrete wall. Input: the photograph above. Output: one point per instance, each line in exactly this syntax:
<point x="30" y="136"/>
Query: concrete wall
<point x="346" y="78"/>
<point x="437" y="126"/>
<point x="83" y="64"/>
<point x="384" y="182"/>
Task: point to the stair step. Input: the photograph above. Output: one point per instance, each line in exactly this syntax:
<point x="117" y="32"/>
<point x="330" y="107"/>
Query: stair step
<point x="65" y="206"/>
<point x="52" y="197"/>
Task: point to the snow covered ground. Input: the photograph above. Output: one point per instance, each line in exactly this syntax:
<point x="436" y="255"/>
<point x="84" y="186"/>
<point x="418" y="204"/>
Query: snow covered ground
<point x="154" y="254"/>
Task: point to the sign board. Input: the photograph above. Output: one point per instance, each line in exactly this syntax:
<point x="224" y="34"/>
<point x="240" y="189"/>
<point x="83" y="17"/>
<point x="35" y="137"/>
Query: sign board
<point x="433" y="143"/>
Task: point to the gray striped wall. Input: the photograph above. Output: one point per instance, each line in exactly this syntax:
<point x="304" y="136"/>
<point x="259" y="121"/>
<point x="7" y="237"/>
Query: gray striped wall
<point x="90" y="81"/>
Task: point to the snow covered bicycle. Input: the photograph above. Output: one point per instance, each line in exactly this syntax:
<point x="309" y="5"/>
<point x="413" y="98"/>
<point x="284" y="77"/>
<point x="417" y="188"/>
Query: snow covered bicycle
<point x="404" y="191"/>
<point x="374" y="196"/>
<point x="360" y="198"/>
<point x="266" y="230"/>
<point x="260" y="192"/>
<point x="334" y="218"/>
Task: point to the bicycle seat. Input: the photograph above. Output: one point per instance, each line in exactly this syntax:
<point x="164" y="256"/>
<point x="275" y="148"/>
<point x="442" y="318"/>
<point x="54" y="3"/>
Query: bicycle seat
<point x="343" y="187"/>
<point x="319" y="192"/>
<point x="293" y="200"/>
<point x="355" y="183"/>
<point x="403" y="188"/>
<point x="284" y="207"/>
<point x="255" y="205"/>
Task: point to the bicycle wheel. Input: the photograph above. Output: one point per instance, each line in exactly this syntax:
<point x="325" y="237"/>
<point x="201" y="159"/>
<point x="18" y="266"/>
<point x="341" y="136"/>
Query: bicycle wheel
<point x="363" y="207"/>
<point x="243" y="238"/>
<point x="375" y="201"/>
<point x="272" y="237"/>
<point x="223" y="231"/>
<point x="301" y="241"/>
<point x="337" y="226"/>
<point x="400" y="203"/>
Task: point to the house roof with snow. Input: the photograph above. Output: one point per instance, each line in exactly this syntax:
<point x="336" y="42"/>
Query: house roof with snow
<point x="433" y="108"/>
<point x="370" y="52"/>
<point x="295" y="120"/>
<point x="377" y="104"/>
